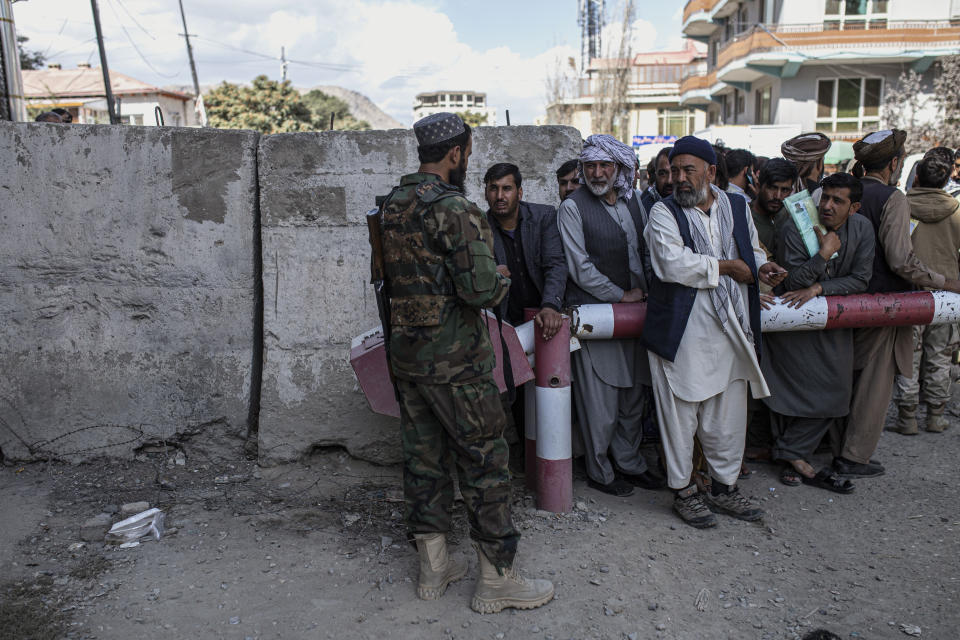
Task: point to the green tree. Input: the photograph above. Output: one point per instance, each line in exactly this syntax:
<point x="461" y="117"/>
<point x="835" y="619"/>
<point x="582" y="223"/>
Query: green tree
<point x="322" y="105"/>
<point x="472" y="118"/>
<point x="29" y="59"/>
<point x="266" y="106"/>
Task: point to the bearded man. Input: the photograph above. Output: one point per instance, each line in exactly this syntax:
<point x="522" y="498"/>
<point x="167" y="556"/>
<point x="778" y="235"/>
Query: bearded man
<point x="441" y="274"/>
<point x="703" y="330"/>
<point x="600" y="227"/>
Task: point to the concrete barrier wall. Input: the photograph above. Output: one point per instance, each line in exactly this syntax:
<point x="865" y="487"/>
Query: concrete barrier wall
<point x="315" y="189"/>
<point x="128" y="281"/>
<point x="126" y="285"/>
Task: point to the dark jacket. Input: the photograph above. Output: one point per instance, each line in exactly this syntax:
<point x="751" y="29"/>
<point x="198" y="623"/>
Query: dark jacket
<point x="669" y="304"/>
<point x="542" y="252"/>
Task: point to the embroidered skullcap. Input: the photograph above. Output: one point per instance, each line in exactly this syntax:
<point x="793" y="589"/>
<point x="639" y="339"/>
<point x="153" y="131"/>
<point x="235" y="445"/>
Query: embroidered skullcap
<point x="879" y="146"/>
<point x="806" y="147"/>
<point x="605" y="148"/>
<point x="438" y="128"/>
<point x="694" y="146"/>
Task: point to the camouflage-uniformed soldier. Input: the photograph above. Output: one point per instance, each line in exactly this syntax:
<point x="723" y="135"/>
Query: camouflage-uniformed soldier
<point x="441" y="273"/>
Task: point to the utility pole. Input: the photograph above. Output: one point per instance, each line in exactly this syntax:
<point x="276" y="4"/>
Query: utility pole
<point x="193" y="65"/>
<point x="283" y="64"/>
<point x="111" y="108"/>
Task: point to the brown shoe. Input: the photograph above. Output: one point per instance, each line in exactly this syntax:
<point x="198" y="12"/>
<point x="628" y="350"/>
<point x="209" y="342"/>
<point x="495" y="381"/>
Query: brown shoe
<point x="689" y="505"/>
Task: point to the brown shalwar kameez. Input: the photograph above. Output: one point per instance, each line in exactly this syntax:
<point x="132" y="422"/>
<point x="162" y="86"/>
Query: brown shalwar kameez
<point x="879" y="353"/>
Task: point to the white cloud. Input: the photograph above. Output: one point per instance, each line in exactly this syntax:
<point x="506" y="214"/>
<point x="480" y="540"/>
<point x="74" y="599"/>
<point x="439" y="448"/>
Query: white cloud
<point x="395" y="49"/>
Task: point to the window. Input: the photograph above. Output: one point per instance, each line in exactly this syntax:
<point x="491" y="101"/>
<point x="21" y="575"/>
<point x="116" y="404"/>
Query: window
<point x="675" y="122"/>
<point x="855" y="14"/>
<point x="743" y="19"/>
<point x="762" y="113"/>
<point x="848" y="105"/>
<point x="132" y="119"/>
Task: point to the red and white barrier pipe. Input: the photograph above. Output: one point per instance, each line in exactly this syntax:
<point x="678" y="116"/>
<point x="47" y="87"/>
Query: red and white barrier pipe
<point x="865" y="310"/>
<point x="625" y="320"/>
<point x="554" y="465"/>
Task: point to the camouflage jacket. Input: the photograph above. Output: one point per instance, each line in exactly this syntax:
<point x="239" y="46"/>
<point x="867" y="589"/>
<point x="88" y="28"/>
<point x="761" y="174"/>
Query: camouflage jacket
<point x="438" y="255"/>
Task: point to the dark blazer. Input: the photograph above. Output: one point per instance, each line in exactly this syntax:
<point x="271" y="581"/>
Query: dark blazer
<point x="542" y="252"/>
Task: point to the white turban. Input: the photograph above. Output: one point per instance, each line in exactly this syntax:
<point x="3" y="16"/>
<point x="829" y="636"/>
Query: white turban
<point x="604" y="148"/>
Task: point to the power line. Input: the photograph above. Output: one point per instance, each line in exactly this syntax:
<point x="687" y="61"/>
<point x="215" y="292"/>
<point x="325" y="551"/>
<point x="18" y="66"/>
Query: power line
<point x="321" y="65"/>
<point x="136" y="48"/>
<point x="135" y="21"/>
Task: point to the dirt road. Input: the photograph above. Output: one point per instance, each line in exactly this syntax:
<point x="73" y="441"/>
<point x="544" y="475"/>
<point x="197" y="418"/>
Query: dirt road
<point x="317" y="550"/>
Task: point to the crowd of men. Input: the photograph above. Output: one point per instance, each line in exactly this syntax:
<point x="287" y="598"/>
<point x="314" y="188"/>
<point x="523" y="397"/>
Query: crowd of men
<point x="703" y="236"/>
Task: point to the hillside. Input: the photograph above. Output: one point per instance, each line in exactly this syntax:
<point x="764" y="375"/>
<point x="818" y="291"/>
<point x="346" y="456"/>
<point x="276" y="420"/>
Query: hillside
<point x="361" y="107"/>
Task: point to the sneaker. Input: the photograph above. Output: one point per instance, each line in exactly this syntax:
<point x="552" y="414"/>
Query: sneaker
<point x="618" y="487"/>
<point x="688" y="503"/>
<point x="733" y="503"/>
<point x="851" y="469"/>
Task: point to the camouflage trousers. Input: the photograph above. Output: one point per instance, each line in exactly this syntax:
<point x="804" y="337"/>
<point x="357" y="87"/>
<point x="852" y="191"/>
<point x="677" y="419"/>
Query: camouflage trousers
<point x="932" y="347"/>
<point x="457" y="424"/>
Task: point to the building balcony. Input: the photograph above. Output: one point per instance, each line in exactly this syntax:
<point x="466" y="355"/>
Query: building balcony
<point x="780" y="50"/>
<point x="697" y="89"/>
<point x="698" y="17"/>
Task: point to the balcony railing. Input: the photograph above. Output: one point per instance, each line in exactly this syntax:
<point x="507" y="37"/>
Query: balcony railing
<point x="643" y="79"/>
<point x="698" y="82"/>
<point x="693" y="6"/>
<point x="829" y="35"/>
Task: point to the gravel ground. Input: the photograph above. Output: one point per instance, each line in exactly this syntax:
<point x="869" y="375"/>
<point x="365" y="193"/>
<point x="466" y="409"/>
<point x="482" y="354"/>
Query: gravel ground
<point x="315" y="550"/>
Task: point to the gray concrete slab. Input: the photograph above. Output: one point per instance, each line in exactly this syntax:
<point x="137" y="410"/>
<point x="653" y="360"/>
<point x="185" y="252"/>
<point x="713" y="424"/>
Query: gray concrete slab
<point x="315" y="189"/>
<point x="126" y="285"/>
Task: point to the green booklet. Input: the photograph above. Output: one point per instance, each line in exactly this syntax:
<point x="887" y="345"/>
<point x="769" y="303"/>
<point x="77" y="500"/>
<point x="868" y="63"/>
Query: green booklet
<point x="804" y="213"/>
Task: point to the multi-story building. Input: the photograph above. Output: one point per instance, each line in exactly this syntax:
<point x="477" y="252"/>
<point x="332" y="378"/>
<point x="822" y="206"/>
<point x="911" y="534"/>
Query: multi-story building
<point x="81" y="92"/>
<point x="652" y="111"/>
<point x="822" y="64"/>
<point x="432" y="102"/>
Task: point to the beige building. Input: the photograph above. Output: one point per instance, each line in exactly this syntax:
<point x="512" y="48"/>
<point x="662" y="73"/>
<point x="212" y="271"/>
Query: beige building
<point x="823" y="65"/>
<point x="652" y="113"/>
<point x="81" y="92"/>
<point x="427" y="104"/>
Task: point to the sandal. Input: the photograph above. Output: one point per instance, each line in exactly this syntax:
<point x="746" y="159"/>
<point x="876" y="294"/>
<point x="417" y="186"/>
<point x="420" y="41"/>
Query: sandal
<point x="790" y="476"/>
<point x="827" y="479"/>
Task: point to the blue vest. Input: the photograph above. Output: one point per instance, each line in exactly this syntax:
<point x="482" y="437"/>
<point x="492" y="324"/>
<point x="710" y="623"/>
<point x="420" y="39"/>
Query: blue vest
<point x="669" y="304"/>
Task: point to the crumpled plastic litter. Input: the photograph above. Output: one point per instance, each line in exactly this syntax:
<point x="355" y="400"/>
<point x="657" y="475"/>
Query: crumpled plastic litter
<point x="145" y="523"/>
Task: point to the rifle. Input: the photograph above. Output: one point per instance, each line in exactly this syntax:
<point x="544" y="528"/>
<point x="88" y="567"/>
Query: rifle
<point x="378" y="278"/>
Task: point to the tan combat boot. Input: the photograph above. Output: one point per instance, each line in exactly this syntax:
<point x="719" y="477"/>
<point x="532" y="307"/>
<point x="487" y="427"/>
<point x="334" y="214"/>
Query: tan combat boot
<point x="498" y="590"/>
<point x="907" y="420"/>
<point x="936" y="423"/>
<point x="437" y="568"/>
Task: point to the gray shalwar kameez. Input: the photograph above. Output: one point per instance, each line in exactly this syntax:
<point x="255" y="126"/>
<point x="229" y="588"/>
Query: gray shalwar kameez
<point x="810" y="373"/>
<point x="607" y="374"/>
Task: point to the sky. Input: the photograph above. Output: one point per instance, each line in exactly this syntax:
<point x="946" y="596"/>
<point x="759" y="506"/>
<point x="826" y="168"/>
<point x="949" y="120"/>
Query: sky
<point x="388" y="50"/>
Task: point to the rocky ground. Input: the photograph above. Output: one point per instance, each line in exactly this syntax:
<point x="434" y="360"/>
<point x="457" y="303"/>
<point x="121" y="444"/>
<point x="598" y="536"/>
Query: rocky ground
<point x="315" y="550"/>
